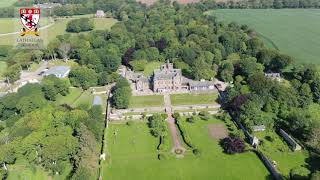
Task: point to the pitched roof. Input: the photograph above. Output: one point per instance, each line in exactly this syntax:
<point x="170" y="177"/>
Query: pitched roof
<point x="57" y="70"/>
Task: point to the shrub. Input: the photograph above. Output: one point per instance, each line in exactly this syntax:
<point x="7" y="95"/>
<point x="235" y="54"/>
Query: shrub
<point x="299" y="173"/>
<point x="129" y="123"/>
<point x="204" y="115"/>
<point x="232" y="145"/>
<point x="315" y="175"/>
<point x="193" y="119"/>
<point x="196" y="152"/>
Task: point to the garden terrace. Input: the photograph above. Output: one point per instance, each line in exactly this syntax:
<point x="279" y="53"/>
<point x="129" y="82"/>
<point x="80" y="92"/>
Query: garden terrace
<point x="132" y="153"/>
<point x="192" y="99"/>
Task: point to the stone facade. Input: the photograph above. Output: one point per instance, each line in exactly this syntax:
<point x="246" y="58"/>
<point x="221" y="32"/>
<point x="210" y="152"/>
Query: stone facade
<point x="165" y="79"/>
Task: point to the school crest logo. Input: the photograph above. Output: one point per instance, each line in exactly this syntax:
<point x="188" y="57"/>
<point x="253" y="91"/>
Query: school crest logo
<point x="30" y="19"/>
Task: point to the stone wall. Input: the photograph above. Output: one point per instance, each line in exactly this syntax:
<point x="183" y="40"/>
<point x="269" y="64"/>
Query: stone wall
<point x="293" y="144"/>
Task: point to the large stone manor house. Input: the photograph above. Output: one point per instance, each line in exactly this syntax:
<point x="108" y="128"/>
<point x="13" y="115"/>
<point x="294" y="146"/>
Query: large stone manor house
<point x="165" y="79"/>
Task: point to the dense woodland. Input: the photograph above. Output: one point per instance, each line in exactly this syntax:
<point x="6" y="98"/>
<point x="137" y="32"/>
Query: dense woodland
<point x="204" y="48"/>
<point x="79" y="7"/>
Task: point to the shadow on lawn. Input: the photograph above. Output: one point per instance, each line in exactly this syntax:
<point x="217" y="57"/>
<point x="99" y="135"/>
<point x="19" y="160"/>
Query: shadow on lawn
<point x="313" y="162"/>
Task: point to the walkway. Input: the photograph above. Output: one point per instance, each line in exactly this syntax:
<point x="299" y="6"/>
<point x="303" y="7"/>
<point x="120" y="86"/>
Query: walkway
<point x="172" y="126"/>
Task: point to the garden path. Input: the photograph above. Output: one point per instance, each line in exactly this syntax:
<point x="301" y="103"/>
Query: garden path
<point x="172" y="126"/>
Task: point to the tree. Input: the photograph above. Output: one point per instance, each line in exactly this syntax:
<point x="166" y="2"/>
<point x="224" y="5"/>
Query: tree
<point x="202" y="70"/>
<point x="13" y="73"/>
<point x="64" y="50"/>
<point x="315" y="175"/>
<point x="226" y="71"/>
<point x="158" y="125"/>
<point x="83" y="77"/>
<point x="121" y="97"/>
<point x="29" y="103"/>
<point x="80" y="25"/>
<point x="299" y="173"/>
<point x="249" y="66"/>
<point x="121" y="94"/>
<point x="111" y="62"/>
<point x="232" y="145"/>
<point x="138" y="65"/>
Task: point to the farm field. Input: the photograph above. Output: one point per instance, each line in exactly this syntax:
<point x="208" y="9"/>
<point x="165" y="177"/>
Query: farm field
<point x="294" y="31"/>
<point x="132" y="153"/>
<point x="189" y="99"/>
<point x="146" y="101"/>
<point x="57" y="29"/>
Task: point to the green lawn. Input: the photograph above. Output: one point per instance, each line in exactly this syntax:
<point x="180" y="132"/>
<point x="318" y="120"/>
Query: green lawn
<point x="6" y="3"/>
<point x="9" y="25"/>
<point x="78" y="97"/>
<point x="148" y="70"/>
<point x="294" y="31"/>
<point x="22" y="170"/>
<point x="189" y="99"/>
<point x="3" y="67"/>
<point x="132" y="153"/>
<point x="278" y="150"/>
<point x="50" y="33"/>
<point x="146" y="101"/>
<point x="85" y="99"/>
<point x="70" y="98"/>
<point x="104" y="23"/>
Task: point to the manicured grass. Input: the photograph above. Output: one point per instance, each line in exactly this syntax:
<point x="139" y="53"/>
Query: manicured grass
<point x="148" y="70"/>
<point x="278" y="150"/>
<point x="50" y="33"/>
<point x="70" y="98"/>
<point x="85" y="99"/>
<point x="146" y="101"/>
<point x="104" y="23"/>
<point x="6" y="3"/>
<point x="294" y="31"/>
<point x="9" y="25"/>
<point x="132" y="153"/>
<point x="3" y="67"/>
<point x="189" y="99"/>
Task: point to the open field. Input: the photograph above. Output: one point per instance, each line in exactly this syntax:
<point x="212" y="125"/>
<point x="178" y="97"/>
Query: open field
<point x="189" y="99"/>
<point x="294" y="31"/>
<point x="274" y="147"/>
<point x="9" y="25"/>
<point x="58" y="28"/>
<point x="6" y="3"/>
<point x="146" y="101"/>
<point x="132" y="153"/>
